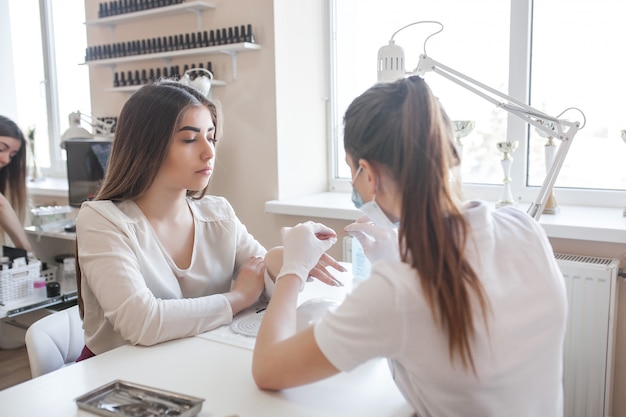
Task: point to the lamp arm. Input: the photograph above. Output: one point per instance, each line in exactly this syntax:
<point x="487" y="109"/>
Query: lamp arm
<point x="106" y="126"/>
<point x="563" y="130"/>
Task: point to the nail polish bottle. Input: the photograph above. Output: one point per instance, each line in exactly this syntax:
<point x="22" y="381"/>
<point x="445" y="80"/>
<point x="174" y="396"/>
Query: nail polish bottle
<point x="181" y="41"/>
<point x="218" y="37"/>
<point x="205" y="39"/>
<point x="192" y="43"/>
<point x="211" y="38"/>
<point x="122" y="79"/>
<point x="148" y="47"/>
<point x="237" y="39"/>
<point x="151" y="74"/>
<point x="165" y="72"/>
<point x="144" y="77"/>
<point x="224" y="36"/>
<point x="249" y="35"/>
<point x="209" y="67"/>
<point x="231" y="38"/>
<point x="137" y="80"/>
<point x="129" y="78"/>
<point x="100" y="10"/>
<point x="187" y="41"/>
<point x="158" y="74"/>
<point x="116" y="80"/>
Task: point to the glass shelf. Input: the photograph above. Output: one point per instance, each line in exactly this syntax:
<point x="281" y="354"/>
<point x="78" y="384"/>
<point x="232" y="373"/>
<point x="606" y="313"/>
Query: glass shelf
<point x="196" y="7"/>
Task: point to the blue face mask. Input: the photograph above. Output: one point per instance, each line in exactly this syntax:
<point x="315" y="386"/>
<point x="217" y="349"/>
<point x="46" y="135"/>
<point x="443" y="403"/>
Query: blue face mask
<point x="356" y="197"/>
<point x="371" y="209"/>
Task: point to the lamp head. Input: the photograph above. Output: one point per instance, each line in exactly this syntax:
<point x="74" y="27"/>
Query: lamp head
<point x="390" y="63"/>
<point x="75" y="131"/>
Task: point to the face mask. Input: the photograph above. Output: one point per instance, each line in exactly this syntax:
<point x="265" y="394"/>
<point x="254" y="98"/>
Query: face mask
<point x="371" y="209"/>
<point x="356" y="198"/>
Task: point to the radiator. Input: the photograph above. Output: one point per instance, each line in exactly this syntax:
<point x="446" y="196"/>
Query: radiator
<point x="591" y="284"/>
<point x="590" y="338"/>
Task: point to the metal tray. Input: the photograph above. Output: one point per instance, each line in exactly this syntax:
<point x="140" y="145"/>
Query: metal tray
<point x="121" y="398"/>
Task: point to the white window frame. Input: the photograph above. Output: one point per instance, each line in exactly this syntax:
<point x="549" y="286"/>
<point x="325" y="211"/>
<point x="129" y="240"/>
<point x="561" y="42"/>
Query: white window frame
<point x="519" y="87"/>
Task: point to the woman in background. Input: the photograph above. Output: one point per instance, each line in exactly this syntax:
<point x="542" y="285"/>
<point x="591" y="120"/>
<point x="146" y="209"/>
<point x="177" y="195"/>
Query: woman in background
<point x="13" y="182"/>
<point x="470" y="310"/>
<point x="158" y="258"/>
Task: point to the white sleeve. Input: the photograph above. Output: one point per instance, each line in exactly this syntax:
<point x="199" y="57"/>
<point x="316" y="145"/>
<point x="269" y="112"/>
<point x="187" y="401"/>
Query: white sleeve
<point x="366" y="325"/>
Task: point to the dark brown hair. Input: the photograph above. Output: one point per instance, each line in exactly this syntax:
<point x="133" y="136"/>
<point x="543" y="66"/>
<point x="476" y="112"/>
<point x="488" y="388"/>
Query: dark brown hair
<point x="402" y="127"/>
<point x="13" y="176"/>
<point x="145" y="127"/>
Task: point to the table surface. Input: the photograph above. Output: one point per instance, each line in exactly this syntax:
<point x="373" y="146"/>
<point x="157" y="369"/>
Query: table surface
<point x="218" y="370"/>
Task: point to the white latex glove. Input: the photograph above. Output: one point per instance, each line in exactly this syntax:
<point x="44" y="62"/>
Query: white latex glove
<point x="377" y="243"/>
<point x="303" y="245"/>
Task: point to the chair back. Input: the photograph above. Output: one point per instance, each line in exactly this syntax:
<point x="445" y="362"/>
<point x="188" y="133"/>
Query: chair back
<point x="54" y="341"/>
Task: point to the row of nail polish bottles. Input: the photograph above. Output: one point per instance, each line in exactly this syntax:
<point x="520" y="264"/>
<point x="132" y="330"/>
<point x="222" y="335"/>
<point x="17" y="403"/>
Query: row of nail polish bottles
<point x="181" y="41"/>
<point x="113" y="8"/>
<point x="143" y="76"/>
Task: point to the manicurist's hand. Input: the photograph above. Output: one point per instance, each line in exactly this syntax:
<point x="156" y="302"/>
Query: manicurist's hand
<point x="303" y="247"/>
<point x="248" y="286"/>
<point x="378" y="243"/>
<point x="274" y="261"/>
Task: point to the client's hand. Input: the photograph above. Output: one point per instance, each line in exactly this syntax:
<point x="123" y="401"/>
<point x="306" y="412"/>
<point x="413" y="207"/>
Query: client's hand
<point x="377" y="243"/>
<point x="248" y="285"/>
<point x="304" y="245"/>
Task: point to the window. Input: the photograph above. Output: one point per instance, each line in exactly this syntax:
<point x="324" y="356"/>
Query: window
<point x="48" y="83"/>
<point x="570" y="62"/>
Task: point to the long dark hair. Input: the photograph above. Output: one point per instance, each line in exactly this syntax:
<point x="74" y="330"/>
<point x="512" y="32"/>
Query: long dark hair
<point x="142" y="138"/>
<point x="13" y="176"/>
<point x="402" y="127"/>
<point x="143" y="134"/>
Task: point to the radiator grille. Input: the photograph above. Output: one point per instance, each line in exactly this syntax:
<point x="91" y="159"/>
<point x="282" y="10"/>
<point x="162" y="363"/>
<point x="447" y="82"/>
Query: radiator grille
<point x="591" y="284"/>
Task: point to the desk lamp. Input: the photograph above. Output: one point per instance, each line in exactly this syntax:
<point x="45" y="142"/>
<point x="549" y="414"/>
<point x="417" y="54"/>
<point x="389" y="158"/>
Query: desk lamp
<point x="391" y="67"/>
<point x="76" y="131"/>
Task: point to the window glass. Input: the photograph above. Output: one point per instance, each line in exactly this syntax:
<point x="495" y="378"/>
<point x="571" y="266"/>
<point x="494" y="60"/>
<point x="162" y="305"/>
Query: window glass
<point x="67" y="36"/>
<point x="572" y="62"/>
<point x="475" y="41"/>
<point x="578" y="60"/>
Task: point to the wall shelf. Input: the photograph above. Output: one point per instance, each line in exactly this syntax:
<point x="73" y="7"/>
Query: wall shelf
<point x="230" y="49"/>
<point x="196" y="7"/>
<point x="133" y="88"/>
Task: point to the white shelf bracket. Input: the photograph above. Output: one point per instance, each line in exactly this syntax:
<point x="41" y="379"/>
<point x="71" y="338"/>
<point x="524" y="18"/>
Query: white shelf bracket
<point x="198" y="13"/>
<point x="233" y="61"/>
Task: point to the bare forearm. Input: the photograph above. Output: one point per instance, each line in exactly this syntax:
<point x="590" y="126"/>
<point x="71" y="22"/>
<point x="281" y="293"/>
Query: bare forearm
<point x="13" y="227"/>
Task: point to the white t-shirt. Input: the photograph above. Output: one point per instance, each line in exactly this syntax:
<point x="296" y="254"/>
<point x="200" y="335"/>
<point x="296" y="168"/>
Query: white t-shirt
<point x="133" y="291"/>
<point x="519" y="363"/>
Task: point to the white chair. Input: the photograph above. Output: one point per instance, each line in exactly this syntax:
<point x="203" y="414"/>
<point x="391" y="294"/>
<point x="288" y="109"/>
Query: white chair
<point x="54" y="341"/>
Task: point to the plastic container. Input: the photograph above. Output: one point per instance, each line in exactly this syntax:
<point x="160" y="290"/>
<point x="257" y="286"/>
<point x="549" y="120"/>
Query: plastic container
<point x="69" y="273"/>
<point x="39" y="288"/>
<point x="361" y="266"/>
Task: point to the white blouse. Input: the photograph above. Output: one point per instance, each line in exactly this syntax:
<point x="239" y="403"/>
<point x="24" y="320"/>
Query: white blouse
<point x="133" y="292"/>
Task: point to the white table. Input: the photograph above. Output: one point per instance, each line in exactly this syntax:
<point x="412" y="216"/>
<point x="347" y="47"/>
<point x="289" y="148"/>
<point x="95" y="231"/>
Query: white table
<point x="219" y="372"/>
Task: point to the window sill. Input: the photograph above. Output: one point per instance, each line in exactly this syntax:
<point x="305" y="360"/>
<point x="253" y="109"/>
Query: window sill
<point x="597" y="224"/>
<point x="47" y="187"/>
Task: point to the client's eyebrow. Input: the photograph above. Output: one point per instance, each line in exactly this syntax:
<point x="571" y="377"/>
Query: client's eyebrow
<point x="193" y="129"/>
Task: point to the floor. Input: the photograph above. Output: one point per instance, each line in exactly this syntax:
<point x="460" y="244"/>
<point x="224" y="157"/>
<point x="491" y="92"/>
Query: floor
<point x="14" y="367"/>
